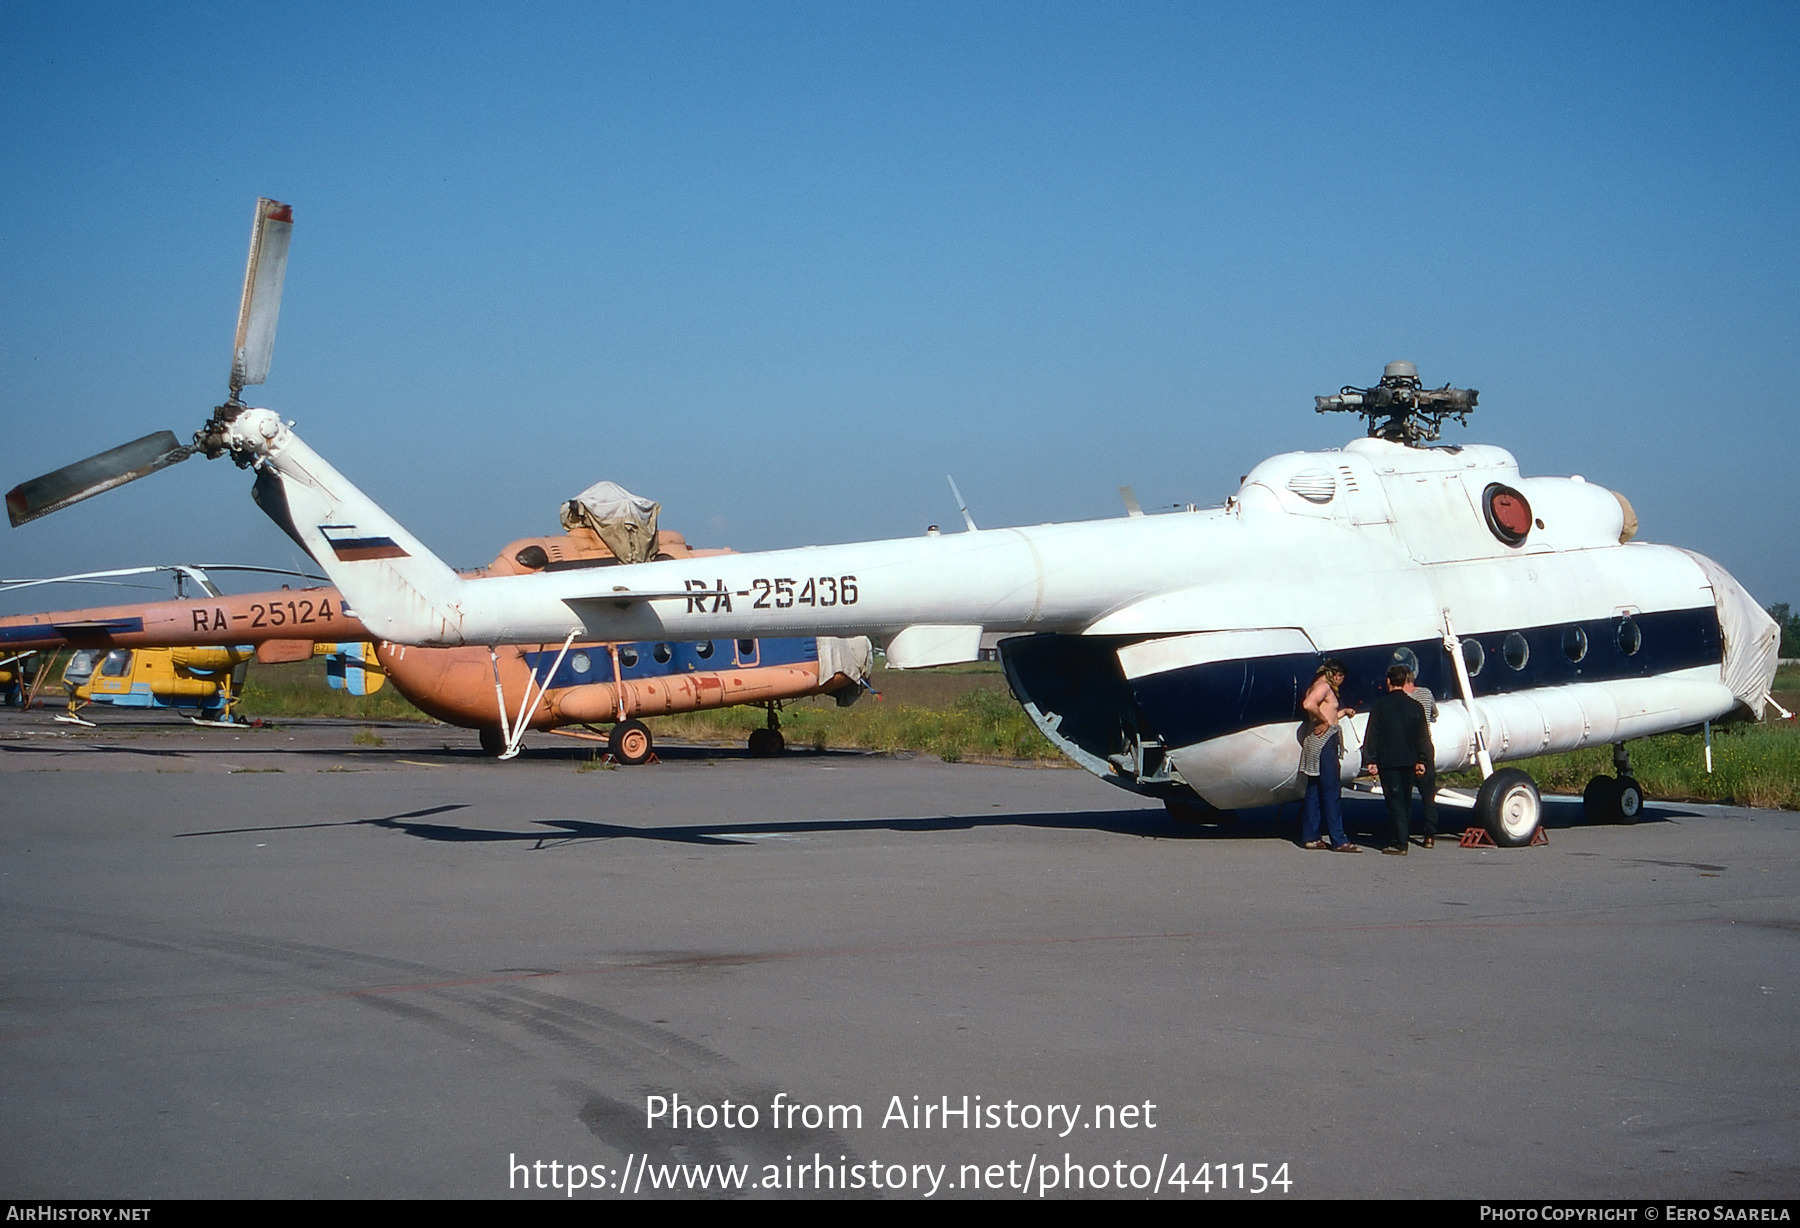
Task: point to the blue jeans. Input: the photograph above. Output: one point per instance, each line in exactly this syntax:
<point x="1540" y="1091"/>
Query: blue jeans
<point x="1323" y="792"/>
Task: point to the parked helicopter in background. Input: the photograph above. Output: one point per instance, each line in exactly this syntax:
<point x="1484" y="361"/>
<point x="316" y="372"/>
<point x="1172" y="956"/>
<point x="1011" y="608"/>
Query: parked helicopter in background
<point x="1168" y="653"/>
<point x="134" y="655"/>
<point x="204" y="680"/>
<point x="15" y="670"/>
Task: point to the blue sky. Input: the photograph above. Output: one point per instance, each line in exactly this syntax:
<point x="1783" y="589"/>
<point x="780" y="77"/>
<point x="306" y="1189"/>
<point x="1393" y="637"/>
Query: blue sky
<point x="782" y="267"/>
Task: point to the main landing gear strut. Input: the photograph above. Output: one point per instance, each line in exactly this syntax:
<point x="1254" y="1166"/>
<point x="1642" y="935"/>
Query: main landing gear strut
<point x="628" y="743"/>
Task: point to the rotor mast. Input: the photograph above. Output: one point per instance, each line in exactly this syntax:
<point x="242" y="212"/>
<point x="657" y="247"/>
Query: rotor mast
<point x="1400" y="408"/>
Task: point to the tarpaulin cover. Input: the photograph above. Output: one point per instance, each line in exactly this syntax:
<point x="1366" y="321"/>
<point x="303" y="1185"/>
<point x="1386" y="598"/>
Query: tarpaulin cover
<point x="624" y="521"/>
<point x="1752" y="638"/>
<point x="849" y="657"/>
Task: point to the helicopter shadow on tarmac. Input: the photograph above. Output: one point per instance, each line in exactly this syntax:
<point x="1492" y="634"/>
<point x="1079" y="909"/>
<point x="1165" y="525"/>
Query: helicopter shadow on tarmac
<point x="1367" y="819"/>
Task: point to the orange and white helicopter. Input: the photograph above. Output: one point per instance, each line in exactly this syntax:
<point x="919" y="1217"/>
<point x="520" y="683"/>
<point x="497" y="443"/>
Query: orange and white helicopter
<point x="206" y="680"/>
<point x="500" y="693"/>
<point x="1167" y="654"/>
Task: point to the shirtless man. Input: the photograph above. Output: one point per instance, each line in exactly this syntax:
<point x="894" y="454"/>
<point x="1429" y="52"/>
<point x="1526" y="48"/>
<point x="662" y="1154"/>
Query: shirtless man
<point x="1319" y="755"/>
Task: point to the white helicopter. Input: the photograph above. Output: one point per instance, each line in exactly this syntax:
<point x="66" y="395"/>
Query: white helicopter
<point x="1167" y="654"/>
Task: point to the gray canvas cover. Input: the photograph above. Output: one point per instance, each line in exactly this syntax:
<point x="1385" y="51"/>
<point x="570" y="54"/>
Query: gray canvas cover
<point x="1752" y="638"/>
<point x="624" y="521"/>
<point x="851" y="657"/>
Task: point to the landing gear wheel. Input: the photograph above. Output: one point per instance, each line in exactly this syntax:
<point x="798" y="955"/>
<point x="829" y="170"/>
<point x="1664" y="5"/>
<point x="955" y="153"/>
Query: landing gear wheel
<point x="491" y="742"/>
<point x="766" y="743"/>
<point x="1631" y="799"/>
<point x="1600" y="800"/>
<point x="1612" y="799"/>
<point x="629" y="743"/>
<point x="1509" y="807"/>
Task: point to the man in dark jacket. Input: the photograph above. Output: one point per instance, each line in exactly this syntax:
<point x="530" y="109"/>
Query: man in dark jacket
<point x="1398" y="744"/>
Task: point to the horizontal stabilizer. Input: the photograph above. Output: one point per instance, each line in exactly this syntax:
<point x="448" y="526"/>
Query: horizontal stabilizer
<point x="926" y="644"/>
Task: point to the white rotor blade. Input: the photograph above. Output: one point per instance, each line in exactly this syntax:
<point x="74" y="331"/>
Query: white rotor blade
<point x="261" y="307"/>
<point x="196" y="572"/>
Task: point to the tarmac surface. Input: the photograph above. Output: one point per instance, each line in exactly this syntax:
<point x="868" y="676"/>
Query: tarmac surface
<point x="280" y="964"/>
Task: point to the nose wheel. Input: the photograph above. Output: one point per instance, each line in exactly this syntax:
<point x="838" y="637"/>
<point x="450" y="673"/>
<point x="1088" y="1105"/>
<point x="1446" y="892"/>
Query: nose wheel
<point x="1617" y="798"/>
<point x="1612" y="799"/>
<point x="767" y="743"/>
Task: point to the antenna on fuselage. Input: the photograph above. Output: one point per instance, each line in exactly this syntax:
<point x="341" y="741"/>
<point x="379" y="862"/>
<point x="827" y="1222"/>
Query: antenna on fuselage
<point x="1400" y="407"/>
<point x="960" y="505"/>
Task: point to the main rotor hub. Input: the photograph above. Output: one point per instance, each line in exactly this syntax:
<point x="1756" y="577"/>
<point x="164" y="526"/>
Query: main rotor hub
<point x="1400" y="407"/>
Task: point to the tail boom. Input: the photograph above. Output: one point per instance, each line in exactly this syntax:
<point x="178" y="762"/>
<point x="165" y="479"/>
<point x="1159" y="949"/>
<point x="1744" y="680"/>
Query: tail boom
<point x="376" y="563"/>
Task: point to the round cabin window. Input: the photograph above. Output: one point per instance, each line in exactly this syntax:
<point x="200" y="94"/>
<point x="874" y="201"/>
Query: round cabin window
<point x="1575" y="644"/>
<point x="581" y="662"/>
<point x="1508" y="513"/>
<point x="1407" y="657"/>
<point x="628" y="656"/>
<point x="662" y="653"/>
<point x="746" y="648"/>
<point x="1473" y="657"/>
<point x="1630" y="638"/>
<point x="703" y="649"/>
<point x="1516" y="651"/>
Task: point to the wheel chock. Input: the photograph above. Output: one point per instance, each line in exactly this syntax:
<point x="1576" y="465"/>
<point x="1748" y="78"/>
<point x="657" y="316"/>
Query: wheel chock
<point x="1478" y="838"/>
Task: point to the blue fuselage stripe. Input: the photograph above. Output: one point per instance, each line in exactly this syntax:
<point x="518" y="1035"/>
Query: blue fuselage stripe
<point x="1201" y="702"/>
<point x="93" y="631"/>
<point x="684" y="658"/>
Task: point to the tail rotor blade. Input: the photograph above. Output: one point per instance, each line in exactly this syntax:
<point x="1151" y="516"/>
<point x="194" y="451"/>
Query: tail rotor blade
<point x="261" y="307"/>
<point x="85" y="479"/>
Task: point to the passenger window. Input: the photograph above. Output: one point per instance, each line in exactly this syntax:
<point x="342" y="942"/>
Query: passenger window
<point x="746" y="648"/>
<point x="117" y="664"/>
<point x="1407" y="657"/>
<point x="1516" y="651"/>
<point x="1473" y="657"/>
<point x="662" y="653"/>
<point x="1630" y="638"/>
<point x="703" y="649"/>
<point x="628" y="655"/>
<point x="1574" y="643"/>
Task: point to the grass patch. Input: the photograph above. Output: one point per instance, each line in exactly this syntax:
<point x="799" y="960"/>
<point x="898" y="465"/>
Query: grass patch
<point x="1753" y="765"/>
<point x="299" y="689"/>
<point x="367" y="737"/>
<point x="983" y="722"/>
